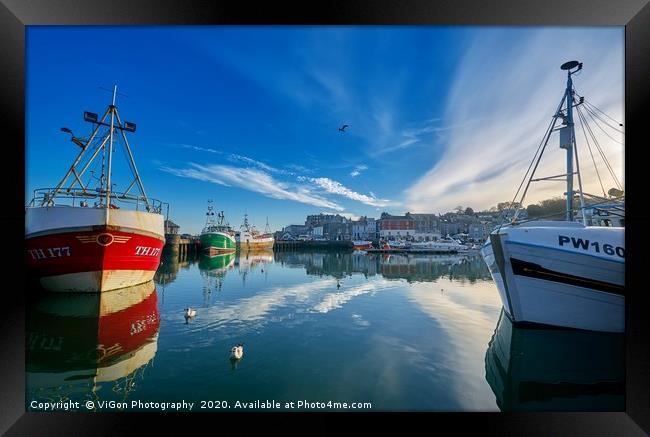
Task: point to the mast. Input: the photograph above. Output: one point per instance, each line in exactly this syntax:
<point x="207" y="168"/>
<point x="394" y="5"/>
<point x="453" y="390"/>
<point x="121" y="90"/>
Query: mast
<point x="567" y="135"/>
<point x="245" y="225"/>
<point x="106" y="148"/>
<point x="210" y="214"/>
<point x="110" y="150"/>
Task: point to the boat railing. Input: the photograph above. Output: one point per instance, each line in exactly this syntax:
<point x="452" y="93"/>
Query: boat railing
<point x="81" y="197"/>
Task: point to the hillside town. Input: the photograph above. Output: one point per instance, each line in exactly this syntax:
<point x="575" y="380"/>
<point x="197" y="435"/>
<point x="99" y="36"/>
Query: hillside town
<point x="465" y="225"/>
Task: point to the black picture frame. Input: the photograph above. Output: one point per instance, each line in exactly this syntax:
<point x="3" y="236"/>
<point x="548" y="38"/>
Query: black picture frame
<point x="16" y="14"/>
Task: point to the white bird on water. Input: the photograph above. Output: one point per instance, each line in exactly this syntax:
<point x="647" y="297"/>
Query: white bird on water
<point x="189" y="312"/>
<point x="237" y="352"/>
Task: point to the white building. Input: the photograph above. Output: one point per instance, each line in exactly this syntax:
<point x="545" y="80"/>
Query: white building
<point x="478" y="232"/>
<point x="364" y="229"/>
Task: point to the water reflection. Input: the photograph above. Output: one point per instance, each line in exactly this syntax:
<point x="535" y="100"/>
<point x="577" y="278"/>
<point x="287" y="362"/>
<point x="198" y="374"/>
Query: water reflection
<point x="90" y="346"/>
<point x="248" y="262"/>
<point x="213" y="269"/>
<point x="555" y="369"/>
<point x="170" y="263"/>
<point x="412" y="267"/>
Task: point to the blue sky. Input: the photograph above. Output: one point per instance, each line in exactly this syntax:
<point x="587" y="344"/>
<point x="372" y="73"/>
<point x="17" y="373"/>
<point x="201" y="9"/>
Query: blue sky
<point x="249" y="116"/>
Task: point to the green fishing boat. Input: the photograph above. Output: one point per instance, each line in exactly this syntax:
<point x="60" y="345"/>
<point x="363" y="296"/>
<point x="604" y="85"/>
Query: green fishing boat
<point x="217" y="235"/>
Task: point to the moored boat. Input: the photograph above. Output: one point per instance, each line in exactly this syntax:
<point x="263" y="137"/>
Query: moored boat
<point x="249" y="238"/>
<point x="561" y="273"/>
<point x="361" y="245"/>
<point x="217" y="236"/>
<point x="394" y="244"/>
<point x="443" y="245"/>
<point x="80" y="238"/>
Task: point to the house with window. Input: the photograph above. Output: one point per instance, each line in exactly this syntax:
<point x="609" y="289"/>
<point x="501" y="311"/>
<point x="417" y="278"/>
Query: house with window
<point x="393" y="227"/>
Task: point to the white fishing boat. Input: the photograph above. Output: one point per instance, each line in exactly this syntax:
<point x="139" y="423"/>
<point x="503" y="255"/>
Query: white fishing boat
<point x="86" y="236"/>
<point x="562" y="273"/>
<point x="443" y="245"/>
<point x="249" y="238"/>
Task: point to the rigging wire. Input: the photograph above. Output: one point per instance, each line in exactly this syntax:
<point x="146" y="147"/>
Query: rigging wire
<point x="590" y="113"/>
<point x="600" y="150"/>
<point x="597" y="109"/>
<point x="582" y="199"/>
<point x="540" y="151"/>
<point x="595" y="114"/>
<point x="584" y="131"/>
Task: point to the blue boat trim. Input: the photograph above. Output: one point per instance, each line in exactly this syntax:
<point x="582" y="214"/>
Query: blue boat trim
<point x="566" y="251"/>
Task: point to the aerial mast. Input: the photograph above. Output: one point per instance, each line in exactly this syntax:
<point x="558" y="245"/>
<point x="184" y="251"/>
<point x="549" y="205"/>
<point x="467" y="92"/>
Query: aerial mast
<point x="567" y="135"/>
<point x="110" y="150"/>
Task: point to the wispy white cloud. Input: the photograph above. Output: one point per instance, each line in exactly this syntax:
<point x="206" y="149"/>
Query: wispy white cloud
<point x="299" y="168"/>
<point x="358" y="169"/>
<point x="253" y="180"/>
<point x="335" y="187"/>
<point x="199" y="148"/>
<point x="421" y="135"/>
<point x="332" y="301"/>
<point x="233" y="157"/>
<point x="508" y="87"/>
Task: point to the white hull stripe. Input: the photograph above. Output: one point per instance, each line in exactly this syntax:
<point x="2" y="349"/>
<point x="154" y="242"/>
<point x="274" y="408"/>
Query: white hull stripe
<point x="94" y="228"/>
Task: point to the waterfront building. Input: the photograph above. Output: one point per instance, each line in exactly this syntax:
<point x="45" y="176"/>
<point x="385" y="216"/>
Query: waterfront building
<point x="449" y="228"/>
<point x="465" y="221"/>
<point x="295" y="230"/>
<point x="425" y="223"/>
<point x="396" y="226"/>
<point x="337" y="231"/>
<point x="478" y="232"/>
<point x="171" y="227"/>
<point x="321" y="219"/>
<point x="364" y="229"/>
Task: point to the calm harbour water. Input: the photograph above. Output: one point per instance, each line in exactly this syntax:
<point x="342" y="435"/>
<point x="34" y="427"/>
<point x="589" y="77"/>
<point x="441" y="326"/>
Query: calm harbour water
<point x="416" y="332"/>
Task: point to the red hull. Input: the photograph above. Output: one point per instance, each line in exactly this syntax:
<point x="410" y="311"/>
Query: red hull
<point x="99" y="253"/>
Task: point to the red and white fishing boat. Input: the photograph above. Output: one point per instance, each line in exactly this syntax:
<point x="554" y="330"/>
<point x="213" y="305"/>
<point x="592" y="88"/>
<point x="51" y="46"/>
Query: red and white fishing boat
<point x="92" y="239"/>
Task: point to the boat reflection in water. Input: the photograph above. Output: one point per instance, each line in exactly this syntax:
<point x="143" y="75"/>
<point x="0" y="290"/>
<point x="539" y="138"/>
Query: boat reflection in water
<point x="248" y="261"/>
<point x="213" y="269"/>
<point x="550" y="369"/>
<point x="411" y="267"/>
<point x="90" y="346"/>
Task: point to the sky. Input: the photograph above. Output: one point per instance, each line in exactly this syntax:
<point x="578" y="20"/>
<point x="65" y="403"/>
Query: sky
<point x="249" y="116"/>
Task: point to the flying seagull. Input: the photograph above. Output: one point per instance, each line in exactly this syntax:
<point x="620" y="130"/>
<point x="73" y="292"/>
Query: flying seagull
<point x="342" y="128"/>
